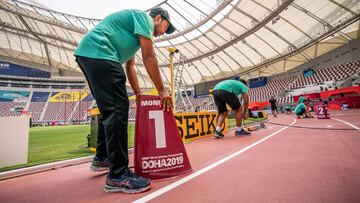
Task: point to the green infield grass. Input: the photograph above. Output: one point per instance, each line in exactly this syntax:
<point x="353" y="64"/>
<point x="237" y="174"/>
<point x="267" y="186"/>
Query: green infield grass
<point x="56" y="143"/>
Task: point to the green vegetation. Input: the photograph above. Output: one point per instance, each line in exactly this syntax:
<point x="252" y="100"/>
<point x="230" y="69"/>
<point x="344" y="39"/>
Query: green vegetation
<point x="56" y="143"/>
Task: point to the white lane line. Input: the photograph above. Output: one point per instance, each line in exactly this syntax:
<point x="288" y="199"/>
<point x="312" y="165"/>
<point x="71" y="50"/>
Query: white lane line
<point x="201" y="171"/>
<point x="357" y="128"/>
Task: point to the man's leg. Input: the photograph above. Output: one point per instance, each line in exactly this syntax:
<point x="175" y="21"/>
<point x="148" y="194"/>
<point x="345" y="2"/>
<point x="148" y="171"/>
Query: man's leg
<point x="100" y="162"/>
<point x="273" y="113"/>
<point x="120" y="177"/>
<point x="100" y="78"/>
<point x="221" y="118"/>
<point x="233" y="101"/>
<point x="302" y="114"/>
<point x="239" y="117"/>
<point x="222" y="110"/>
<point x="101" y="144"/>
<point x="116" y="124"/>
<point x="108" y="81"/>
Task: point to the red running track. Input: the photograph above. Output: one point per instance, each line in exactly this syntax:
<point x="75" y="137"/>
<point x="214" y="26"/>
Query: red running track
<point x="291" y="165"/>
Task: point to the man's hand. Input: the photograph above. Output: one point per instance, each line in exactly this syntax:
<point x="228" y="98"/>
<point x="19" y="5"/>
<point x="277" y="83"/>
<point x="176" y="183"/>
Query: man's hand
<point x="166" y="102"/>
<point x="137" y="94"/>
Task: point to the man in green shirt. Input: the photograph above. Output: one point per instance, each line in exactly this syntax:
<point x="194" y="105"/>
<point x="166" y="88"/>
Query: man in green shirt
<point x="301" y="99"/>
<point x="301" y="110"/>
<point x="100" y="55"/>
<point x="227" y="92"/>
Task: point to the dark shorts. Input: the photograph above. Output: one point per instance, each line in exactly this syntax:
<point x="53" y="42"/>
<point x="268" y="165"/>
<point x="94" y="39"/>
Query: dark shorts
<point x="301" y="112"/>
<point x="273" y="108"/>
<point x="222" y="97"/>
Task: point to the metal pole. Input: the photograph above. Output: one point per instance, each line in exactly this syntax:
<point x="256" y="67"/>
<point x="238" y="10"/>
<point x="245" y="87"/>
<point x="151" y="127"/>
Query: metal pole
<point x="72" y="106"/>
<point x="172" y="78"/>
<point x="80" y="94"/>
<point x="87" y="109"/>
<point x="171" y="51"/>
<point x="65" y="108"/>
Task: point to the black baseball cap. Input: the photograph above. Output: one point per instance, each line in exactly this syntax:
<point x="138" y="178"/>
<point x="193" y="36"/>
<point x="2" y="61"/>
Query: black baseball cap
<point x="160" y="11"/>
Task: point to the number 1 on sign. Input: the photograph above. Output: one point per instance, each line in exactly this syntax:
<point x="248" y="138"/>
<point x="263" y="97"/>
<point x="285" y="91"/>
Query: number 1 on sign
<point x="158" y="117"/>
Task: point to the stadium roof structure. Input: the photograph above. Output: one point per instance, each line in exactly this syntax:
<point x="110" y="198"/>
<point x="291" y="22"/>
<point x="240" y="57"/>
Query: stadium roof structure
<point x="216" y="38"/>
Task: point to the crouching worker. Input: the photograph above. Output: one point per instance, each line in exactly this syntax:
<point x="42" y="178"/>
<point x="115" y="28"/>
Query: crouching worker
<point x="301" y="110"/>
<point x="227" y="92"/>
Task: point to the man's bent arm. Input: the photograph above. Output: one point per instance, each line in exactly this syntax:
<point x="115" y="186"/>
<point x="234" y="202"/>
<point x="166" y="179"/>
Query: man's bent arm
<point x="246" y="103"/>
<point x="151" y="63"/>
<point x="132" y="77"/>
<point x="152" y="68"/>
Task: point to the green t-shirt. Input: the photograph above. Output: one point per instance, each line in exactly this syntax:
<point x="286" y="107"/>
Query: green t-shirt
<point x="302" y="99"/>
<point x="116" y="37"/>
<point x="232" y="86"/>
<point x="299" y="108"/>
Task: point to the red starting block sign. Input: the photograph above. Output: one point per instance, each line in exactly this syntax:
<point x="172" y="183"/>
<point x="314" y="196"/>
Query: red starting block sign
<point x="322" y="112"/>
<point x="159" y="150"/>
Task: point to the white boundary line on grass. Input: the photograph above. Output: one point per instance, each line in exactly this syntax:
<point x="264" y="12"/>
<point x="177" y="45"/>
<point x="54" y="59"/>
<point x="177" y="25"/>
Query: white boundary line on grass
<point x="46" y="167"/>
<point x="204" y="170"/>
<point x="357" y="128"/>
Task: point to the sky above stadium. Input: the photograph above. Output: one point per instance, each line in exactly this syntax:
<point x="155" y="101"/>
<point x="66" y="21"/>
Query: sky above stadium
<point x="96" y="8"/>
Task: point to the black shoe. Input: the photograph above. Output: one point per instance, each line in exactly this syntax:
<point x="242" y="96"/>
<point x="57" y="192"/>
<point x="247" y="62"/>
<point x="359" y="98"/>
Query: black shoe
<point x="218" y="134"/>
<point x="98" y="164"/>
<point x="242" y="132"/>
<point x="128" y="182"/>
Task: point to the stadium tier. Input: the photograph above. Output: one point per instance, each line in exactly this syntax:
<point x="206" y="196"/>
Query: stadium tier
<point x="272" y="88"/>
<point x="36" y="109"/>
<point x="336" y="73"/>
<point x="295" y="81"/>
<point x="11" y="108"/>
<point x="81" y="110"/>
<point x="46" y="107"/>
<point x="72" y="106"/>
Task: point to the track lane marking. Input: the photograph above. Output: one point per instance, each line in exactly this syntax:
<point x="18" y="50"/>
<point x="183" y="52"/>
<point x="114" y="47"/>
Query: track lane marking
<point x="203" y="170"/>
<point x="353" y="126"/>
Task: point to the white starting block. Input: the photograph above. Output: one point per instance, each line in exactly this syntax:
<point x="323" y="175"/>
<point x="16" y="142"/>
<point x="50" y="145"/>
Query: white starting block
<point x="322" y="112"/>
